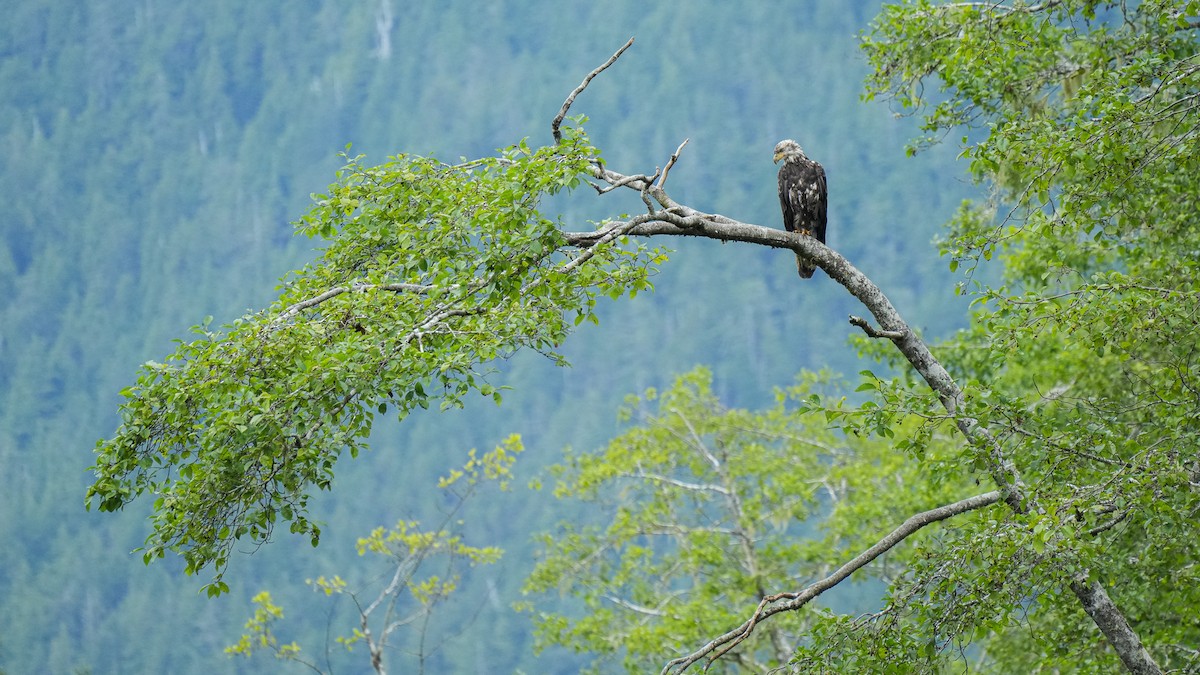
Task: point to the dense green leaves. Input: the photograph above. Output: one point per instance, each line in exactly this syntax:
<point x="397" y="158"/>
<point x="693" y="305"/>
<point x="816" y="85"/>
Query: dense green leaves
<point x="431" y="272"/>
<point x="700" y="511"/>
<point x="1082" y="117"/>
<point x="700" y="503"/>
<point x="1079" y="114"/>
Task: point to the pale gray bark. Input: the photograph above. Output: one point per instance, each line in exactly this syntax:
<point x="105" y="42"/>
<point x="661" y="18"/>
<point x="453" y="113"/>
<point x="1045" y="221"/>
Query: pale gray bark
<point x="1112" y="623"/>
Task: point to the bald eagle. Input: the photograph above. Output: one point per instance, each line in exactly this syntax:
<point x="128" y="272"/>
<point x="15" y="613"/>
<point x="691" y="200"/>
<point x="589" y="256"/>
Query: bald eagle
<point x="803" y="196"/>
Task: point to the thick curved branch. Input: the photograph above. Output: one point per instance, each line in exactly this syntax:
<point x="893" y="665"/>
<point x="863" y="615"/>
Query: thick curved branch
<point x="772" y="604"/>
<point x="679" y="220"/>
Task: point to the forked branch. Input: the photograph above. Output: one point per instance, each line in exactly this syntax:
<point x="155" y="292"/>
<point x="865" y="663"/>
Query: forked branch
<point x="872" y="331"/>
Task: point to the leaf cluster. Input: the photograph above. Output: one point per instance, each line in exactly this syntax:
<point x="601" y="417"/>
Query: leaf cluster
<point x="429" y="272"/>
<point x="704" y="510"/>
<point x="1082" y="117"/>
<point x="411" y="590"/>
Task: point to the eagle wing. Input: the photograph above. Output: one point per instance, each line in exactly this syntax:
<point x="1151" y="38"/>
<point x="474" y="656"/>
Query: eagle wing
<point x="803" y="195"/>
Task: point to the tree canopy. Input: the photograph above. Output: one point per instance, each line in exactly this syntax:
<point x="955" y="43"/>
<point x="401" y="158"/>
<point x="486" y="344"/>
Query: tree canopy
<point x="431" y="272"/>
<point x="155" y="156"/>
<point x="1081" y="117"/>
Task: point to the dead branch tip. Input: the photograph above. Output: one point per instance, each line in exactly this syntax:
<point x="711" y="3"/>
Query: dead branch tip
<point x="562" y="113"/>
<point x="671" y="162"/>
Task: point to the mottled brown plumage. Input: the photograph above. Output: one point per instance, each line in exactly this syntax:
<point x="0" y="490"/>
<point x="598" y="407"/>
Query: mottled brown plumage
<point x="803" y="197"/>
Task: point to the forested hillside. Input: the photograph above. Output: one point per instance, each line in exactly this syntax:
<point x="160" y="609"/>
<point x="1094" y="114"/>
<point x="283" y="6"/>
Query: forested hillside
<point x="155" y="154"/>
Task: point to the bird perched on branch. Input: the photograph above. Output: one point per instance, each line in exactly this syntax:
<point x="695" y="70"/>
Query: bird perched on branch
<point x="803" y="196"/>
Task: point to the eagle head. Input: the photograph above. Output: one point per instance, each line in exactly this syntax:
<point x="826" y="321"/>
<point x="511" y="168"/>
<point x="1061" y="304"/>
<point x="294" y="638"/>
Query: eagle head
<point x="787" y="149"/>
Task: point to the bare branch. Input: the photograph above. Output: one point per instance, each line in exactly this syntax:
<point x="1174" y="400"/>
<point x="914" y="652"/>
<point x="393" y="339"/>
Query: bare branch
<point x="627" y="180"/>
<point x="671" y="162"/>
<point x="768" y="607"/>
<point x="874" y="332"/>
<point x="298" y="307"/>
<point x="679" y="220"/>
<point x="696" y="487"/>
<point x="562" y="113"/>
<point x="640" y="609"/>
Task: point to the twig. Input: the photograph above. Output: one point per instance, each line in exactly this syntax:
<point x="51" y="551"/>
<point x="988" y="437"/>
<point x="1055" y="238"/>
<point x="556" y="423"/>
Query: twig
<point x="767" y="607"/>
<point x="338" y="290"/>
<point x="1103" y="527"/>
<point x="684" y="485"/>
<point x="640" y="609"/>
<point x="671" y="162"/>
<point x="874" y="332"/>
<point x="627" y="180"/>
<point x="562" y="113"/>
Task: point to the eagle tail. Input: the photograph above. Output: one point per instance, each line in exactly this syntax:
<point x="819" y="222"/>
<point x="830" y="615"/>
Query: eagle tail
<point x="805" y="268"/>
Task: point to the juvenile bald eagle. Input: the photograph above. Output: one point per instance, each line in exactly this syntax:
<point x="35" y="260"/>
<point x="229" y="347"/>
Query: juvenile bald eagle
<point x="803" y="196"/>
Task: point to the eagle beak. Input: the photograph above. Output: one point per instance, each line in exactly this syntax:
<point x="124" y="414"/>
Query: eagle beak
<point x="778" y="156"/>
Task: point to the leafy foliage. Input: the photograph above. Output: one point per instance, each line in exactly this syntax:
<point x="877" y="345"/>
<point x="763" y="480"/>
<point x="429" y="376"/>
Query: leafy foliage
<point x="431" y="272"/>
<point x="1084" y="362"/>
<point x="706" y="510"/>
<point x="411" y="593"/>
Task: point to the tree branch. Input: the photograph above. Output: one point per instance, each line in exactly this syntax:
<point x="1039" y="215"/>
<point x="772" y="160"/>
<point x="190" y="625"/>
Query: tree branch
<point x="767" y="607"/>
<point x="640" y="609"/>
<point x="679" y="220"/>
<point x="298" y="307"/>
<point x="683" y="485"/>
<point x="872" y="331"/>
<point x="671" y="162"/>
<point x="562" y="113"/>
<point x="1112" y="623"/>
